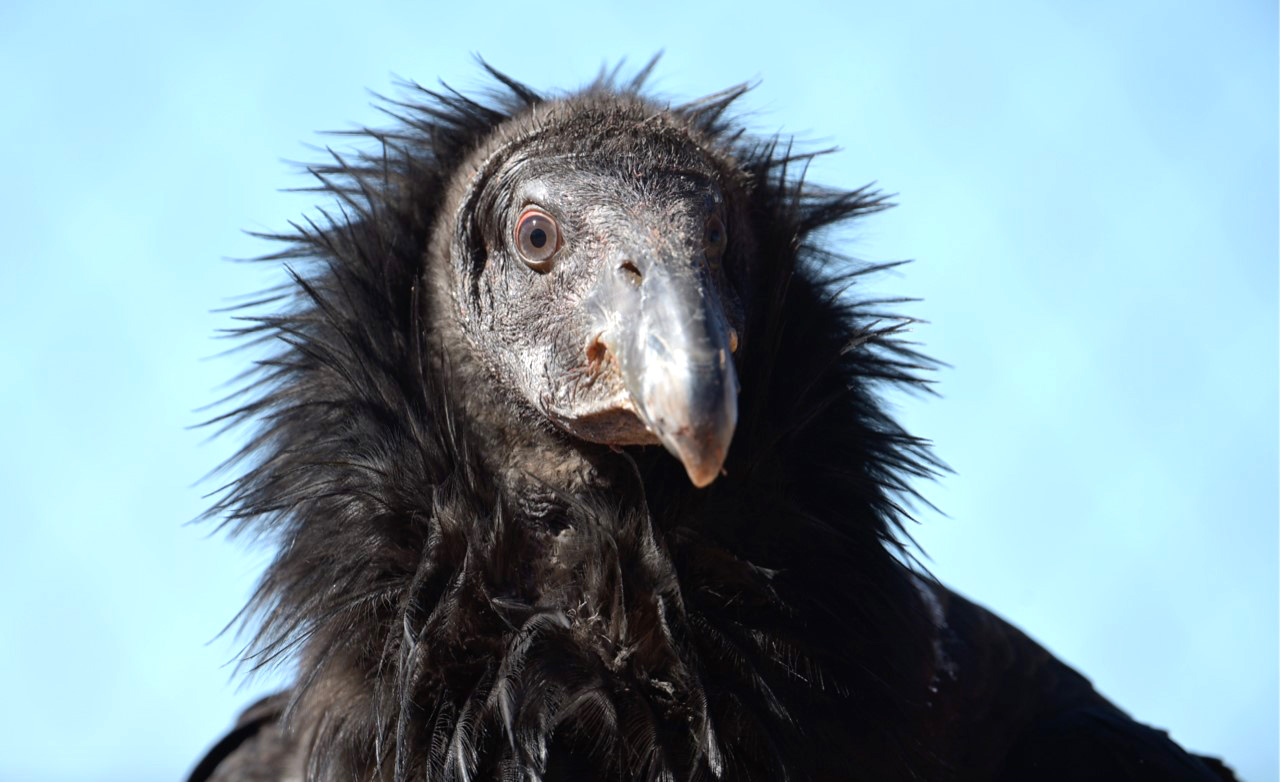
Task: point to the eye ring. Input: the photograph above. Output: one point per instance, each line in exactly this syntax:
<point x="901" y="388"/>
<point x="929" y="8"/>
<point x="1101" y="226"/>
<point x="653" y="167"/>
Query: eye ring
<point x="536" y="238"/>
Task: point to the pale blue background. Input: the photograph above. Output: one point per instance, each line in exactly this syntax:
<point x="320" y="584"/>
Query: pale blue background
<point x="1089" y="190"/>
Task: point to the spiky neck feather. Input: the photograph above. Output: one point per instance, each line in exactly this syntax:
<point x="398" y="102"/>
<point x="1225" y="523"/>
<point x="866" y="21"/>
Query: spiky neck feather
<point x="445" y="627"/>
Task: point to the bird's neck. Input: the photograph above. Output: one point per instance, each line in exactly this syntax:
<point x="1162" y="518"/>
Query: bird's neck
<point x="532" y="464"/>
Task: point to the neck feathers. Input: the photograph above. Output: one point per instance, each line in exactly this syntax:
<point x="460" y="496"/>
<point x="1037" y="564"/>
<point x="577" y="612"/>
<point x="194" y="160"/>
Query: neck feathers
<point x="457" y="611"/>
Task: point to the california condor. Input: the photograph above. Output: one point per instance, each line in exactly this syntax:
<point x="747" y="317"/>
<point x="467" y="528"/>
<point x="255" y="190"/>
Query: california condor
<point x="574" y="453"/>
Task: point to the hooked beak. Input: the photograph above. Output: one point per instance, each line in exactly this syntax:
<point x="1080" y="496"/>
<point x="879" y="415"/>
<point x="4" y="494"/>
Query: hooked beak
<point x="666" y="328"/>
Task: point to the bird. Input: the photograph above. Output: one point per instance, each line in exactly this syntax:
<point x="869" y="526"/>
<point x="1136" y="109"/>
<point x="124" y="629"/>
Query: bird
<point x="570" y="437"/>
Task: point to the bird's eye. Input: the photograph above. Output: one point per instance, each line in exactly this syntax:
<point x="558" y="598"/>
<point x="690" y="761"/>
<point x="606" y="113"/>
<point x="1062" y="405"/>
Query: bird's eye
<point x="537" y="238"/>
<point x="716" y="237"/>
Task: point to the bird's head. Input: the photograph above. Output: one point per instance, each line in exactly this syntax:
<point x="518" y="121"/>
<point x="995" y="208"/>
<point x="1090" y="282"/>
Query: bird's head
<point x="595" y="254"/>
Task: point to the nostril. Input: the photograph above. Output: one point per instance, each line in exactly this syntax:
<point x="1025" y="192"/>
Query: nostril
<point x="631" y="272"/>
<point x="596" y="352"/>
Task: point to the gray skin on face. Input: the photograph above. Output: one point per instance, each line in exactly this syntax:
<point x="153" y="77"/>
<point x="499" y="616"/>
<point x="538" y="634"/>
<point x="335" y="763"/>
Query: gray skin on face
<point x="620" y="326"/>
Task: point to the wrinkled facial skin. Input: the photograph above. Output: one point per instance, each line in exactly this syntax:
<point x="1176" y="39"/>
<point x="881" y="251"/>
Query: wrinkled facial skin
<point x="625" y="335"/>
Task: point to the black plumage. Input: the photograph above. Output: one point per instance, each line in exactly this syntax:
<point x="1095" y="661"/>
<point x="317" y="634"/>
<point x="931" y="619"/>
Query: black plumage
<point x="485" y="569"/>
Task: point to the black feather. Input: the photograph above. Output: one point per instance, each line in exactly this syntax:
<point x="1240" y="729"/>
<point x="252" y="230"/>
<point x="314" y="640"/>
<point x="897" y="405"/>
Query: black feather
<point x="767" y="627"/>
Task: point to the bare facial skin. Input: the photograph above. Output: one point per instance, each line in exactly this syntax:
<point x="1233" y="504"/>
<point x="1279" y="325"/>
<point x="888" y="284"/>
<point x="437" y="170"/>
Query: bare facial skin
<point x="603" y="299"/>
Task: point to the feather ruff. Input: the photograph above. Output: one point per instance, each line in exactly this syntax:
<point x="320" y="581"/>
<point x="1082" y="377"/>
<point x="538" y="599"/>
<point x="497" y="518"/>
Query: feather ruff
<point x="739" y="632"/>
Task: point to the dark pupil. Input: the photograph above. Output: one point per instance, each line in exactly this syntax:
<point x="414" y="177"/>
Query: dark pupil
<point x="713" y="236"/>
<point x="538" y="237"/>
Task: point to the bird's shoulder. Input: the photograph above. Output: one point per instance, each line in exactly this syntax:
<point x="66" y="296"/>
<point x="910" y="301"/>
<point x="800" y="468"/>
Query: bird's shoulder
<point x="256" y="749"/>
<point x="1097" y="742"/>
<point x="993" y="683"/>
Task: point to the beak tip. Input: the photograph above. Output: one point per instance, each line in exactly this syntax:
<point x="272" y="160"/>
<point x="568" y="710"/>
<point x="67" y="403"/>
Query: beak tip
<point x="701" y="478"/>
<point x="701" y="467"/>
<point x="702" y="448"/>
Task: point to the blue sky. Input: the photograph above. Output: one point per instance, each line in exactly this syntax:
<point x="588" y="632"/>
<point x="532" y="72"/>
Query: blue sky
<point x="1089" y="192"/>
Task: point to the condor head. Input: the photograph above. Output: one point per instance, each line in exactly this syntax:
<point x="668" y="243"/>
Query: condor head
<point x="597" y="262"/>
